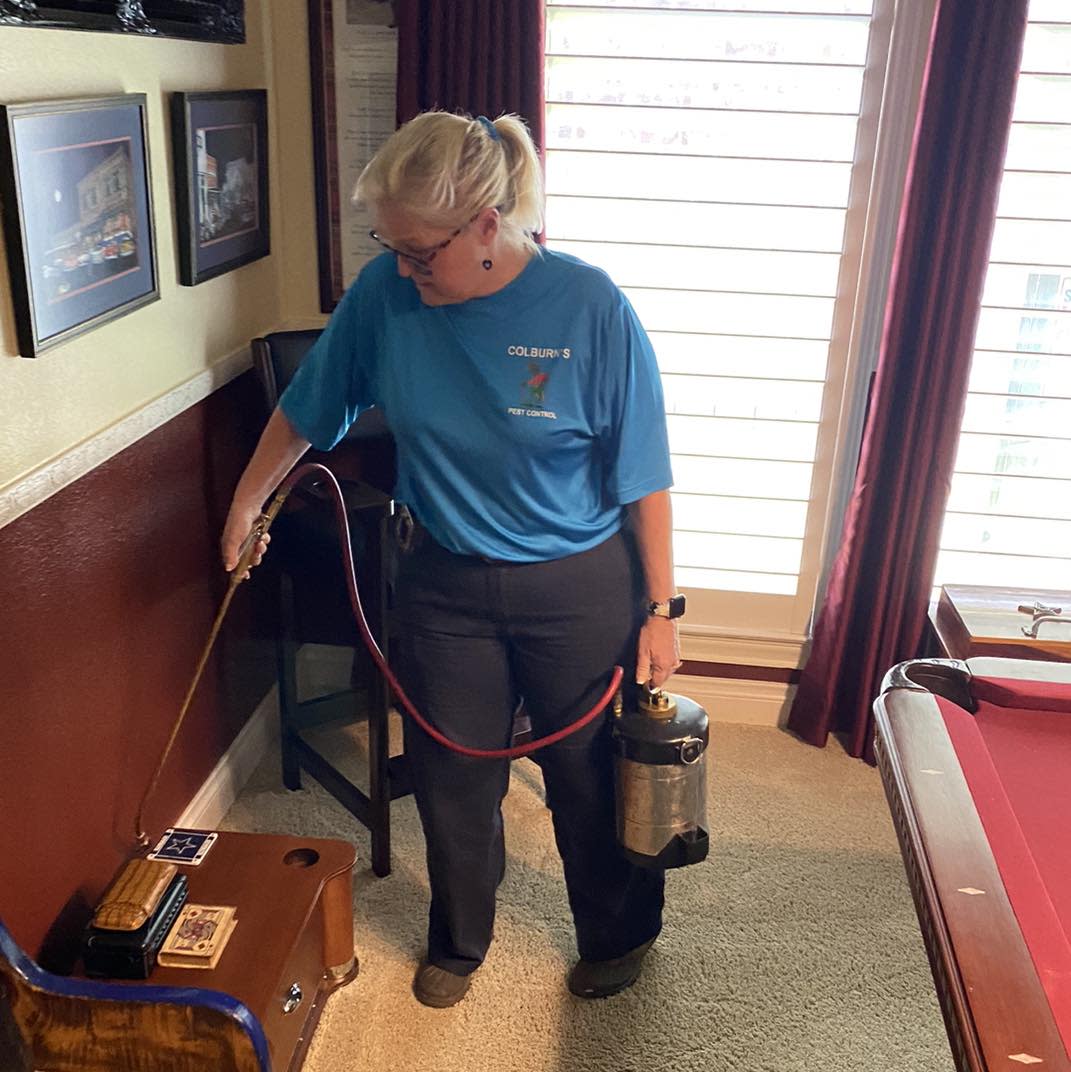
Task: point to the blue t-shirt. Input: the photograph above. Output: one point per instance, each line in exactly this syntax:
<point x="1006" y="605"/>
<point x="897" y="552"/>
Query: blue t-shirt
<point x="524" y="420"/>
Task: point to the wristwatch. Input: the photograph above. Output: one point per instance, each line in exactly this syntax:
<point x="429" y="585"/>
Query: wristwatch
<point x="670" y="608"/>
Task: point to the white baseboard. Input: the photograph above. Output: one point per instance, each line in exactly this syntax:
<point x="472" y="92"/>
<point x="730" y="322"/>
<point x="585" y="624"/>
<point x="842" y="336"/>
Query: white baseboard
<point x="753" y="703"/>
<point x="221" y="788"/>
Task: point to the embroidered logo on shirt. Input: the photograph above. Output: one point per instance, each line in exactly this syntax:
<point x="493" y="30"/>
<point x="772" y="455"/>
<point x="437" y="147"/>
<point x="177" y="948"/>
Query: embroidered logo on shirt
<point x="535" y="391"/>
<point x="536" y="384"/>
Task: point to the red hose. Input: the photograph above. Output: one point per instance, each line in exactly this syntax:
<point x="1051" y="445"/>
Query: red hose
<point x="515" y="752"/>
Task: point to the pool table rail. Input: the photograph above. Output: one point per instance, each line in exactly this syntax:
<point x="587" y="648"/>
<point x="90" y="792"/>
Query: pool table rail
<point x="996" y="1012"/>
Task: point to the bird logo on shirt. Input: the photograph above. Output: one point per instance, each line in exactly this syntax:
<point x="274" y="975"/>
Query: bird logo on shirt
<point x="536" y="384"/>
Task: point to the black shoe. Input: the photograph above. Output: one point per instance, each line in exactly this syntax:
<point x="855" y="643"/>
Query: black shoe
<point x="438" y="987"/>
<point x="601" y="978"/>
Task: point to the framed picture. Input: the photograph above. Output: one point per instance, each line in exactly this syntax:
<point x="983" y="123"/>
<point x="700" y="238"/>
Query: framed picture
<point x="353" y="56"/>
<point x="220" y="143"/>
<point x="222" y="21"/>
<point x="74" y="177"/>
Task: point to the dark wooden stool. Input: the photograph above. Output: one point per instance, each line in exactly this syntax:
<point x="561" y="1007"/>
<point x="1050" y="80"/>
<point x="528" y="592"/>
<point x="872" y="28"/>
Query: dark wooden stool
<point x="313" y="608"/>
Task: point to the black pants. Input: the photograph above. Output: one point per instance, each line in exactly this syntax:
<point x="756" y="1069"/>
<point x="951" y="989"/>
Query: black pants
<point x="475" y="638"/>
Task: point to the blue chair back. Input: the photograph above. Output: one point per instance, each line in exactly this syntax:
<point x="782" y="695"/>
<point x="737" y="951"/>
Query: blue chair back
<point x="73" y="1025"/>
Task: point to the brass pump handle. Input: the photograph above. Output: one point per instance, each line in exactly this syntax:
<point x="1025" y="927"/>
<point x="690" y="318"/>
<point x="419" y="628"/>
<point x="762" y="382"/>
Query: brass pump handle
<point x="657" y="704"/>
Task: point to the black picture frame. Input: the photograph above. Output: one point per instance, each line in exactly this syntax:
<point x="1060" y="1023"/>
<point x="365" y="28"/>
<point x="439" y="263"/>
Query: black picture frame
<point x="325" y="153"/>
<point x="78" y="220"/>
<point x="220" y="149"/>
<point x="220" y="21"/>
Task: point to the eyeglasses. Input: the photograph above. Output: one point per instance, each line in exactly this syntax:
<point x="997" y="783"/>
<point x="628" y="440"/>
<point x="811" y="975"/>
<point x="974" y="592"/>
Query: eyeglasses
<point x="420" y="259"/>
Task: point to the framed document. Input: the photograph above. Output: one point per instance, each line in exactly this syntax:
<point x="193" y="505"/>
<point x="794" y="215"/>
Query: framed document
<point x="353" y="49"/>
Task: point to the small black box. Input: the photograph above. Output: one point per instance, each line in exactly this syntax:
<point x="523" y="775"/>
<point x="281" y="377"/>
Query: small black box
<point x="132" y="954"/>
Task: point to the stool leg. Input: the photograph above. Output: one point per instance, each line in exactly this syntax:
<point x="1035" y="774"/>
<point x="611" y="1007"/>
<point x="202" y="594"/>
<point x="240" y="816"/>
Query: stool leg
<point x="286" y="673"/>
<point x="379" y="785"/>
<point x="379" y="780"/>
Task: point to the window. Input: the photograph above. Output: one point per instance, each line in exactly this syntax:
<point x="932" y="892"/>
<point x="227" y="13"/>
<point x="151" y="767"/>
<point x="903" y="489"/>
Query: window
<point x="1008" y="520"/>
<point x="710" y="156"/>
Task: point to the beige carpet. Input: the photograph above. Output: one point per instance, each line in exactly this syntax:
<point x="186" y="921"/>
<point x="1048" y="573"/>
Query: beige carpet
<point x="793" y="947"/>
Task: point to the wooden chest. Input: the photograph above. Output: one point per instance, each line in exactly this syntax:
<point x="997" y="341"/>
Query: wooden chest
<point x="256" y="1011"/>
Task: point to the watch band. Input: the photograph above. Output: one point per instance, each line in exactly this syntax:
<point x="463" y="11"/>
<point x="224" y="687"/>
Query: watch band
<point x="669" y="608"/>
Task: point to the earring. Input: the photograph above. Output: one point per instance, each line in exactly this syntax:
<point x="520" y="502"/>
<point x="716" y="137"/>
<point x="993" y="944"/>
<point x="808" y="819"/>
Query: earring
<point x="488" y="265"/>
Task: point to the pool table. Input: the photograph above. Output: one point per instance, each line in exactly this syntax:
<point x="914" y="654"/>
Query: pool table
<point x="975" y="758"/>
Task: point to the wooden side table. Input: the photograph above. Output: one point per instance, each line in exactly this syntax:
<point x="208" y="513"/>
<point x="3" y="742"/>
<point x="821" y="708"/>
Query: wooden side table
<point x="972" y="620"/>
<point x="295" y="929"/>
<point x="292" y="946"/>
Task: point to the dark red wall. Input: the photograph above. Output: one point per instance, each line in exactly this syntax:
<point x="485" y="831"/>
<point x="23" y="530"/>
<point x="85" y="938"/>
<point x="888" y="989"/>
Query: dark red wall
<point x="107" y="592"/>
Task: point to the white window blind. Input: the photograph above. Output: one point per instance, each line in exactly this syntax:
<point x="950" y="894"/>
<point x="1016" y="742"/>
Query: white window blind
<point x="704" y="154"/>
<point x="1008" y="520"/>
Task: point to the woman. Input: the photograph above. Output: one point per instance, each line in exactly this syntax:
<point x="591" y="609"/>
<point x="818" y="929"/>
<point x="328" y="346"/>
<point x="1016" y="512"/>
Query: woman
<point x="527" y="410"/>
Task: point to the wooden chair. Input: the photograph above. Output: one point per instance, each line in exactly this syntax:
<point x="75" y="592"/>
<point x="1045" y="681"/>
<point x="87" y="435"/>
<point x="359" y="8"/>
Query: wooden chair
<point x="51" y="1023"/>
<point x="313" y="607"/>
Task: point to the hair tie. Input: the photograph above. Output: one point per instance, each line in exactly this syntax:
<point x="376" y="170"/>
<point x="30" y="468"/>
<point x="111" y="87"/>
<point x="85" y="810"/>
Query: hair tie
<point x="489" y="127"/>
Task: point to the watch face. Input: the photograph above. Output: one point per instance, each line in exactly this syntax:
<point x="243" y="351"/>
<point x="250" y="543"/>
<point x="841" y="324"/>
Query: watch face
<point x="676" y="607"/>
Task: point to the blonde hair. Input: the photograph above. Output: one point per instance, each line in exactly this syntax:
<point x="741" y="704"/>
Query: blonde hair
<point x="442" y="169"/>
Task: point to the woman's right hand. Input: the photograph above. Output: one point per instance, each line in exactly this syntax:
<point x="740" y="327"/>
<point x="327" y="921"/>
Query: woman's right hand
<point x="240" y="522"/>
<point x="277" y="451"/>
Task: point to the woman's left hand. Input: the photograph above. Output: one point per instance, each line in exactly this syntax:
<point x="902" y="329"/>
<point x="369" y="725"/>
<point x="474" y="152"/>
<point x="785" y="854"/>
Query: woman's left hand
<point x="658" y="653"/>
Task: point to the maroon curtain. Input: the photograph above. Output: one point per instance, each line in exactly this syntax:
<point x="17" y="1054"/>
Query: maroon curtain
<point x="874" y="613"/>
<point x="484" y="57"/>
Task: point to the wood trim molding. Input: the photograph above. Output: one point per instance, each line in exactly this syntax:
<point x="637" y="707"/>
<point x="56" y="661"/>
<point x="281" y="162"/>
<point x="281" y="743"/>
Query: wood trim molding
<point x="784" y="674"/>
<point x="896" y="113"/>
<point x="39" y="484"/>
<point x="752" y="703"/>
<point x="761" y="649"/>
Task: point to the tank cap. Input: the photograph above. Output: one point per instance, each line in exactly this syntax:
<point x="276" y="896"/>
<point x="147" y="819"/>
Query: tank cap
<point x="657" y="704"/>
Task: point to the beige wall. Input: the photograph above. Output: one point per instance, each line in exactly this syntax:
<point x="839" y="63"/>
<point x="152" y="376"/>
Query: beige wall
<point x="72" y="393"/>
